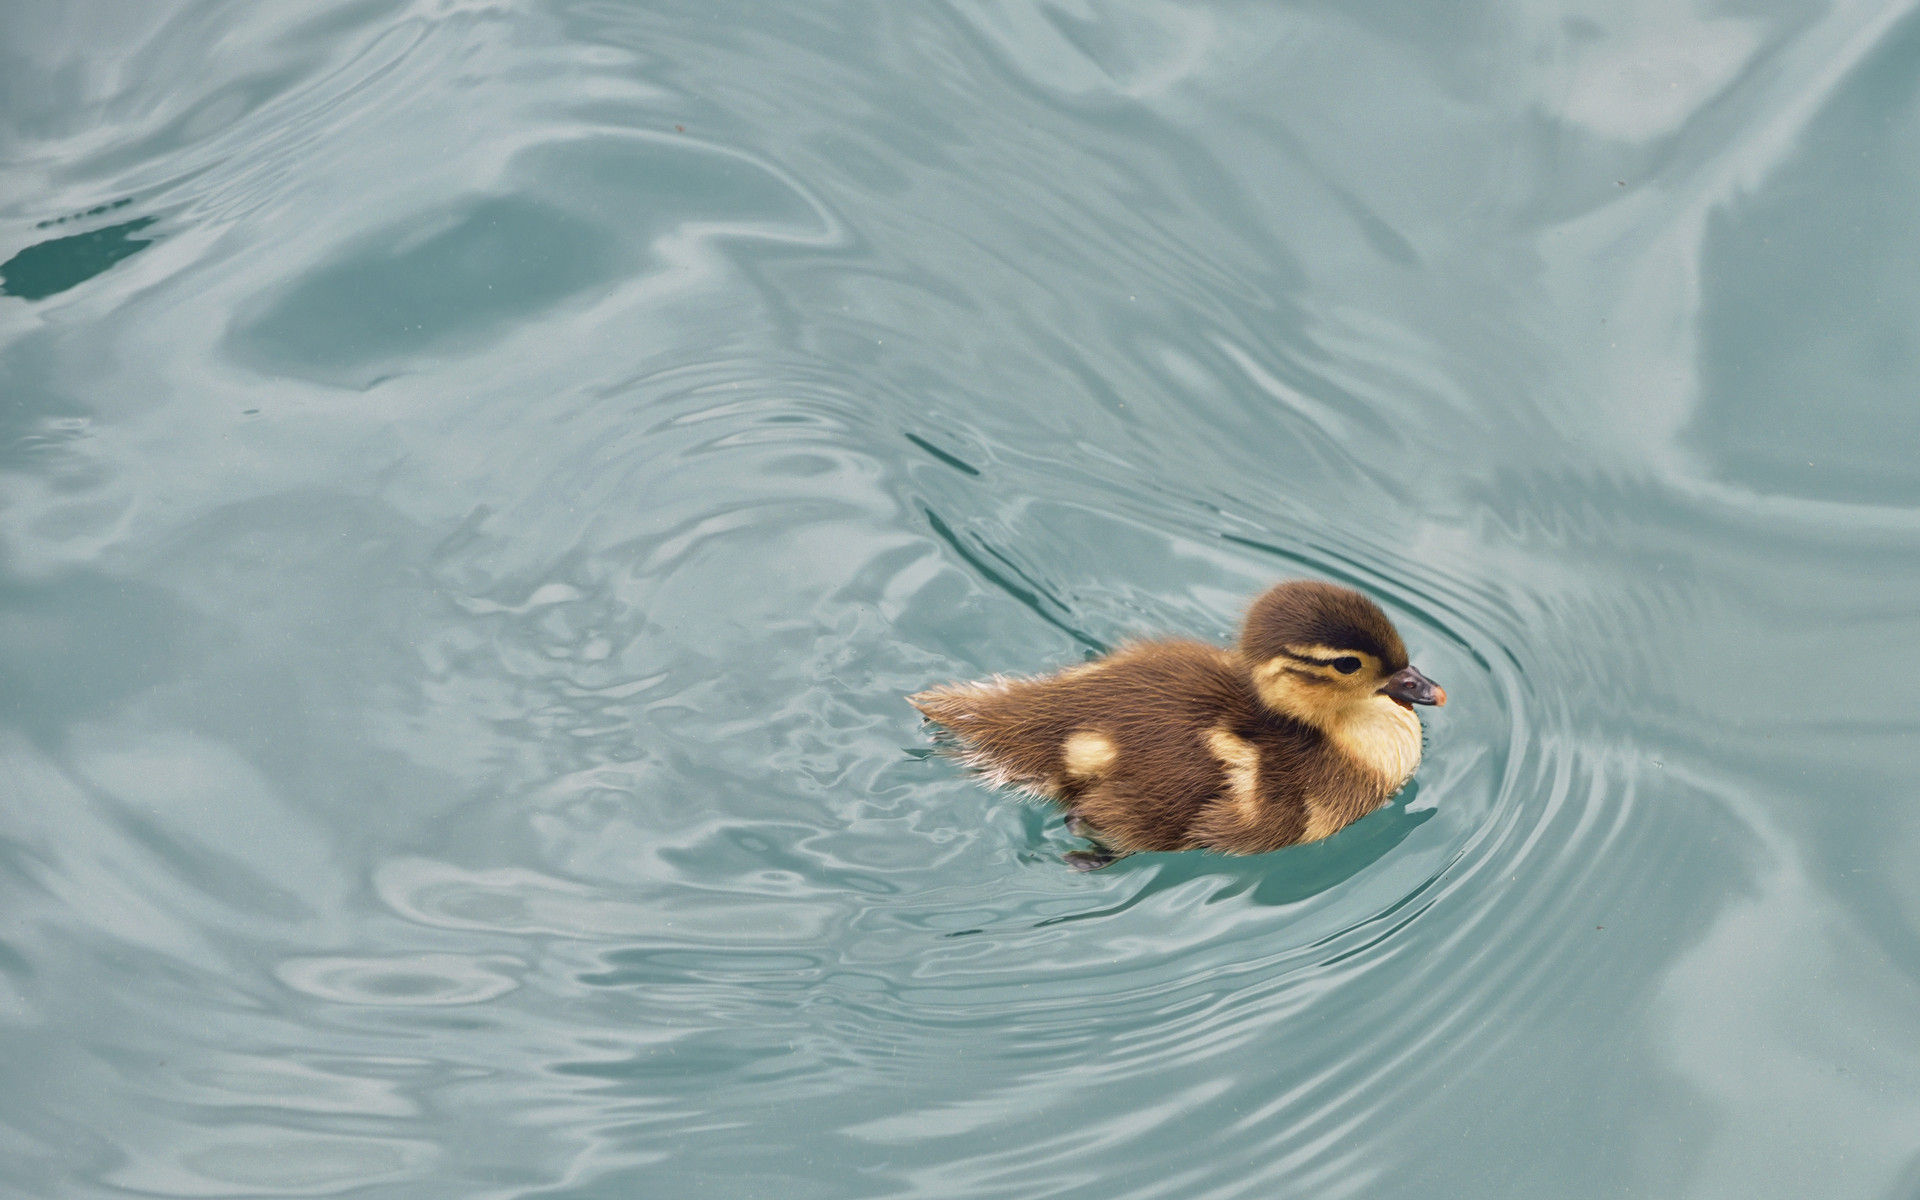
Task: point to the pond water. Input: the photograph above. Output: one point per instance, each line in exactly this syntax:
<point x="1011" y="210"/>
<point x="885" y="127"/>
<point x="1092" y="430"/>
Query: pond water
<point x="478" y="479"/>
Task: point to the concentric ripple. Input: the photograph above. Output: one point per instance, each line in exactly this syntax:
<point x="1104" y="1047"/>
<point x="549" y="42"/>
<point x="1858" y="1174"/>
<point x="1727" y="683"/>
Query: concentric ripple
<point x="478" y="480"/>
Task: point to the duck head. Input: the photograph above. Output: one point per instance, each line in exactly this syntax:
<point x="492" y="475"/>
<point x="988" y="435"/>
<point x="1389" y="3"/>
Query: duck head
<point x="1316" y="649"/>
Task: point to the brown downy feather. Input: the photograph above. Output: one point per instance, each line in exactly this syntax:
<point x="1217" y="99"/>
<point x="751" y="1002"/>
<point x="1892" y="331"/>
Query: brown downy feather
<point x="1175" y="745"/>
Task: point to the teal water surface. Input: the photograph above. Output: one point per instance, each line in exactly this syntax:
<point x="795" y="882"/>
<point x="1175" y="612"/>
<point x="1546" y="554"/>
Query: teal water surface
<point x="478" y="479"/>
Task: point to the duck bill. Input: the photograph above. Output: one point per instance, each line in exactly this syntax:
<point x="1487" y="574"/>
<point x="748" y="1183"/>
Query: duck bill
<point x="1409" y="687"/>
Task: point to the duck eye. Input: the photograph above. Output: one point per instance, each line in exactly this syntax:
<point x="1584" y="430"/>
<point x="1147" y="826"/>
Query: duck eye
<point x="1347" y="665"/>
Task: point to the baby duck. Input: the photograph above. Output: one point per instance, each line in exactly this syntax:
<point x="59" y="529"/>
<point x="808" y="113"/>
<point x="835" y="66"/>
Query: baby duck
<point x="1304" y="727"/>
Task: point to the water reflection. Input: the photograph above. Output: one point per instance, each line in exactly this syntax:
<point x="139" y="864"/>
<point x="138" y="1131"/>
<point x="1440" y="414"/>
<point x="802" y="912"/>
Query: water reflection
<point x="454" y="618"/>
<point x="1833" y="235"/>
<point x="439" y="283"/>
<point x="57" y="264"/>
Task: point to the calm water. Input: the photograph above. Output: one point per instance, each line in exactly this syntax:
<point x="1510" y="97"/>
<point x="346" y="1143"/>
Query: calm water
<point x="478" y="479"/>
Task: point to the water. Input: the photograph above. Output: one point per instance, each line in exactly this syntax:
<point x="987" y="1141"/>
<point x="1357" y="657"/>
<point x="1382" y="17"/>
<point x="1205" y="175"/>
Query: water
<point x="479" y="479"/>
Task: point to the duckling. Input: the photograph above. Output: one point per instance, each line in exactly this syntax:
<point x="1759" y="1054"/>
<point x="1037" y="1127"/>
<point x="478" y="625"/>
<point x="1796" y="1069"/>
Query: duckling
<point x="1302" y="728"/>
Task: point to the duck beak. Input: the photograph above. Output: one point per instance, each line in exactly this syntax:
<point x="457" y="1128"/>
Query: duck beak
<point x="1409" y="687"/>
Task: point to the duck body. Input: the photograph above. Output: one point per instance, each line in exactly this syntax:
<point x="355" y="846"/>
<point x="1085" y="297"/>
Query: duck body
<point x="1181" y="745"/>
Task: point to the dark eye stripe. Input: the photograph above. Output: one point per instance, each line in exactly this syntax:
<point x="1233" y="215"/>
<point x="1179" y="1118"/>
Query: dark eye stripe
<point x="1318" y="662"/>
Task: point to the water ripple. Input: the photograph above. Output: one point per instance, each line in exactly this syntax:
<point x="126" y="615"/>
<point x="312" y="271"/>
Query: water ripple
<point x="459" y="579"/>
<point x="415" y="979"/>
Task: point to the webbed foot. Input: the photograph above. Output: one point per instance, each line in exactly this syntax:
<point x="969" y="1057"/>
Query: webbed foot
<point x="1091" y="860"/>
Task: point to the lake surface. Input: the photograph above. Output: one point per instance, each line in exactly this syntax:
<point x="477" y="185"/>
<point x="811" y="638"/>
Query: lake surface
<point x="478" y="479"/>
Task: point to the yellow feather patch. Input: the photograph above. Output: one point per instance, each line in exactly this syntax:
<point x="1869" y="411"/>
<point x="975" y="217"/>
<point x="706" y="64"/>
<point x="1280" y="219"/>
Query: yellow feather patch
<point x="1321" y="822"/>
<point x="1088" y="754"/>
<point x="1382" y="737"/>
<point x="1241" y="761"/>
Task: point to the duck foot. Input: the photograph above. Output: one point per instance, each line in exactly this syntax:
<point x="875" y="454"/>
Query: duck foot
<point x="1091" y="860"/>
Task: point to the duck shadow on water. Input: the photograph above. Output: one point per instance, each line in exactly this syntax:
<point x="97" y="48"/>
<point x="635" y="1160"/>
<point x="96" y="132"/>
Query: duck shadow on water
<point x="1285" y="876"/>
